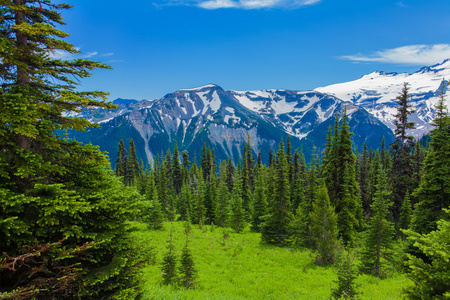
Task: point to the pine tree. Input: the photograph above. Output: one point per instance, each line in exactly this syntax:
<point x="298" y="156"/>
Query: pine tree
<point x="185" y="168"/>
<point x="199" y="209"/>
<point x="121" y="162"/>
<point x="188" y="273"/>
<point x="275" y="229"/>
<point x="260" y="202"/>
<point x="52" y="187"/>
<point x="132" y="166"/>
<point x="402" y="148"/>
<point x="237" y="212"/>
<point x="177" y="177"/>
<point x="347" y="274"/>
<point x="169" y="263"/>
<point x="230" y="175"/>
<point x="324" y="228"/>
<point x="405" y="215"/>
<point x="222" y="209"/>
<point x="185" y="202"/>
<point x="433" y="194"/>
<point x="156" y="215"/>
<point x="430" y="274"/>
<point x="380" y="232"/>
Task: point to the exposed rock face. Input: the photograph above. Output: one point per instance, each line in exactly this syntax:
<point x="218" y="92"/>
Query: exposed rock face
<point x="224" y="120"/>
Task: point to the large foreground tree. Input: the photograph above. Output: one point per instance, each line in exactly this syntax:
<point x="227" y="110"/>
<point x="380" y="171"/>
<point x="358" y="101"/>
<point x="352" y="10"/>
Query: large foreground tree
<point x="62" y="212"/>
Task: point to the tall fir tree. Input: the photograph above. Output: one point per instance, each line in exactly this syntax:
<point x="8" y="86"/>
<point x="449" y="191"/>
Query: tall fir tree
<point x="237" y="212"/>
<point x="433" y="194"/>
<point x="222" y="208"/>
<point x="260" y="202"/>
<point x="187" y="271"/>
<point x="121" y="162"/>
<point x="54" y="191"/>
<point x="402" y="149"/>
<point x="132" y="165"/>
<point x="169" y="263"/>
<point x="324" y="228"/>
<point x="430" y="274"/>
<point x="380" y="232"/>
<point x="177" y="176"/>
<point x="275" y="229"/>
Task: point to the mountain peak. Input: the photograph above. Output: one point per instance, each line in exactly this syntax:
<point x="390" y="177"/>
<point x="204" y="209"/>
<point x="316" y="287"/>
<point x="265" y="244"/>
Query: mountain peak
<point x="201" y="88"/>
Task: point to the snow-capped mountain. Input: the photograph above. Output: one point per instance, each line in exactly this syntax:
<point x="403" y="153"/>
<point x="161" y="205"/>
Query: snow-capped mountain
<point x="225" y="119"/>
<point x="377" y="91"/>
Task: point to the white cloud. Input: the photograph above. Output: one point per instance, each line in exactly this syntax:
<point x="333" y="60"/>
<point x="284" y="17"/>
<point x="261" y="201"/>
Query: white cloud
<point x="90" y="54"/>
<point x="242" y="4"/>
<point x="412" y="54"/>
<point x="215" y="4"/>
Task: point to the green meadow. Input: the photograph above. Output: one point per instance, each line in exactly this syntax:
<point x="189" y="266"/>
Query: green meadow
<point x="238" y="266"/>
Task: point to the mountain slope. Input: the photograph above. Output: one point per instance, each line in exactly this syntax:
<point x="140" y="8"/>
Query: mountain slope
<point x="377" y="91"/>
<point x="225" y="119"/>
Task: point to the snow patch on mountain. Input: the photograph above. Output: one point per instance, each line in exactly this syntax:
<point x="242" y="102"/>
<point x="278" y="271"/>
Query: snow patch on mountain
<point x="376" y="92"/>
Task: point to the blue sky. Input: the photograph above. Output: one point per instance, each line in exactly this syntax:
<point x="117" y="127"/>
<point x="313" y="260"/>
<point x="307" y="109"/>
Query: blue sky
<point x="156" y="47"/>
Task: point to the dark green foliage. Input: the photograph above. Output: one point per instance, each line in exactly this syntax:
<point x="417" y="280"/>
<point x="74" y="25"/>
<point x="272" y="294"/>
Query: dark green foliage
<point x="59" y="204"/>
<point x="347" y="274"/>
<point x="340" y="176"/>
<point x="187" y="271"/>
<point x="237" y="212"/>
<point x="177" y="176"/>
<point x="199" y="209"/>
<point x="402" y="149"/>
<point x="380" y="232"/>
<point x="405" y="214"/>
<point x="156" y="215"/>
<point x="275" y="229"/>
<point x="169" y="263"/>
<point x="185" y="202"/>
<point x="431" y="274"/>
<point x="259" y="201"/>
<point x="324" y="228"/>
<point x="222" y="208"/>
<point x="433" y="194"/>
<point x="121" y="162"/>
<point x="132" y="165"/>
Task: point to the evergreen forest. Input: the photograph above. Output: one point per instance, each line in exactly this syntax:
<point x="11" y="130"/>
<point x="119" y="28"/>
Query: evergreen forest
<point x="347" y="224"/>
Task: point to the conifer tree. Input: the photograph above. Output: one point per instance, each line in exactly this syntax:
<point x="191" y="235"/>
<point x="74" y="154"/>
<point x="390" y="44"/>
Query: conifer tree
<point x="433" y="194"/>
<point x="230" y="175"/>
<point x="380" y="232"/>
<point x="303" y="213"/>
<point x="199" y="209"/>
<point x="169" y="263"/>
<point x="364" y="180"/>
<point x="275" y="229"/>
<point x="185" y="202"/>
<point x="237" y="212"/>
<point x="185" y="167"/>
<point x="177" y="176"/>
<point x="324" y="228"/>
<point x="187" y="271"/>
<point x="222" y="208"/>
<point x="260" y="203"/>
<point x="402" y="148"/>
<point x="132" y="165"/>
<point x="156" y="215"/>
<point x="431" y="273"/>
<point x="405" y="215"/>
<point x="53" y="187"/>
<point x="348" y="202"/>
<point x="347" y="274"/>
<point x="121" y="162"/>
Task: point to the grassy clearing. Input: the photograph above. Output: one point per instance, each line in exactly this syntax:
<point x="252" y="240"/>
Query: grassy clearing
<point x="239" y="267"/>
